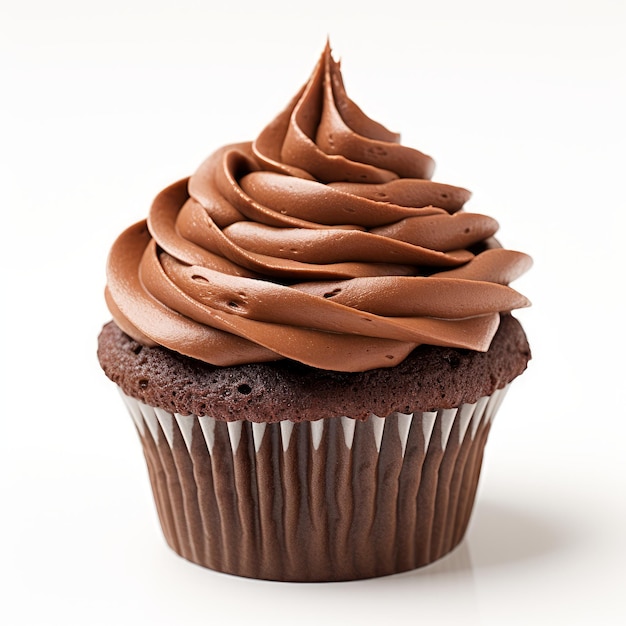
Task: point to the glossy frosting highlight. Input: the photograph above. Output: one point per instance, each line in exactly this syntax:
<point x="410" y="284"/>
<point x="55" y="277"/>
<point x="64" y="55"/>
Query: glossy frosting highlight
<point x="324" y="241"/>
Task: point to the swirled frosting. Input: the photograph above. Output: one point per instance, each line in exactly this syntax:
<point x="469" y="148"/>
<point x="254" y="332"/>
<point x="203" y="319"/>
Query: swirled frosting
<point x="324" y="241"/>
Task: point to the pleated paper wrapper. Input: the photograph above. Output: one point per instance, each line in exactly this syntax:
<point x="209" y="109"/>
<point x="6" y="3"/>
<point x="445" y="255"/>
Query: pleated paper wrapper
<point x="326" y="500"/>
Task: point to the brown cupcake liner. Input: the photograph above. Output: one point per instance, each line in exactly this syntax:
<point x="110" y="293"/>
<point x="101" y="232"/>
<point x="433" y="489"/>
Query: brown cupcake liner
<point x="332" y="499"/>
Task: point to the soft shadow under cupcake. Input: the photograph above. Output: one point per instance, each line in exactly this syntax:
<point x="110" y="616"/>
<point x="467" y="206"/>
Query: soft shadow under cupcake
<point x="502" y="535"/>
<point x="498" y="536"/>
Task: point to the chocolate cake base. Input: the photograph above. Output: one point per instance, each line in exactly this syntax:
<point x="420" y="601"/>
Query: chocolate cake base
<point x="429" y="378"/>
<point x="281" y="472"/>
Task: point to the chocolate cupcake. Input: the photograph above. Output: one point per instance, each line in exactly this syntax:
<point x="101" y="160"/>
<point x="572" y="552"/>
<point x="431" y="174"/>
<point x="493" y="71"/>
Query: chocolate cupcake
<point x="313" y="339"/>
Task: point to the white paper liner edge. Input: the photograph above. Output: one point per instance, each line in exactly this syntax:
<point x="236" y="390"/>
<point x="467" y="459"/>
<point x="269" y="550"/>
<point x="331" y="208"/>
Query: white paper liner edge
<point x="160" y="424"/>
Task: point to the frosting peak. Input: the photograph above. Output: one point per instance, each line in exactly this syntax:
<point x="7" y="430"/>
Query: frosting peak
<point x="324" y="241"/>
<point x="323" y="135"/>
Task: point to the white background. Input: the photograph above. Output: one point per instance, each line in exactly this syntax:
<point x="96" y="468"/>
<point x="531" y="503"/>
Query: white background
<point x="102" y="104"/>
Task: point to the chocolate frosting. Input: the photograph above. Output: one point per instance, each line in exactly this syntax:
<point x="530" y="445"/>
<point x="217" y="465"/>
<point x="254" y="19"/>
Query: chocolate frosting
<point x="324" y="241"/>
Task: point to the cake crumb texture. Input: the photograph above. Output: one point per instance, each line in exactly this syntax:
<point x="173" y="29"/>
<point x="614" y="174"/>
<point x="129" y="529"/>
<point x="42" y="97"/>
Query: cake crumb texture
<point x="430" y="378"/>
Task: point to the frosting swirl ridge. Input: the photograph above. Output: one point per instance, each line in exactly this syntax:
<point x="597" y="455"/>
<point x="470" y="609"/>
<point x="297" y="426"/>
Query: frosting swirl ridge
<point x="324" y="241"/>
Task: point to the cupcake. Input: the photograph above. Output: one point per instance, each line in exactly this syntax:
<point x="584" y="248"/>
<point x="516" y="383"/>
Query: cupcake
<point x="313" y="338"/>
